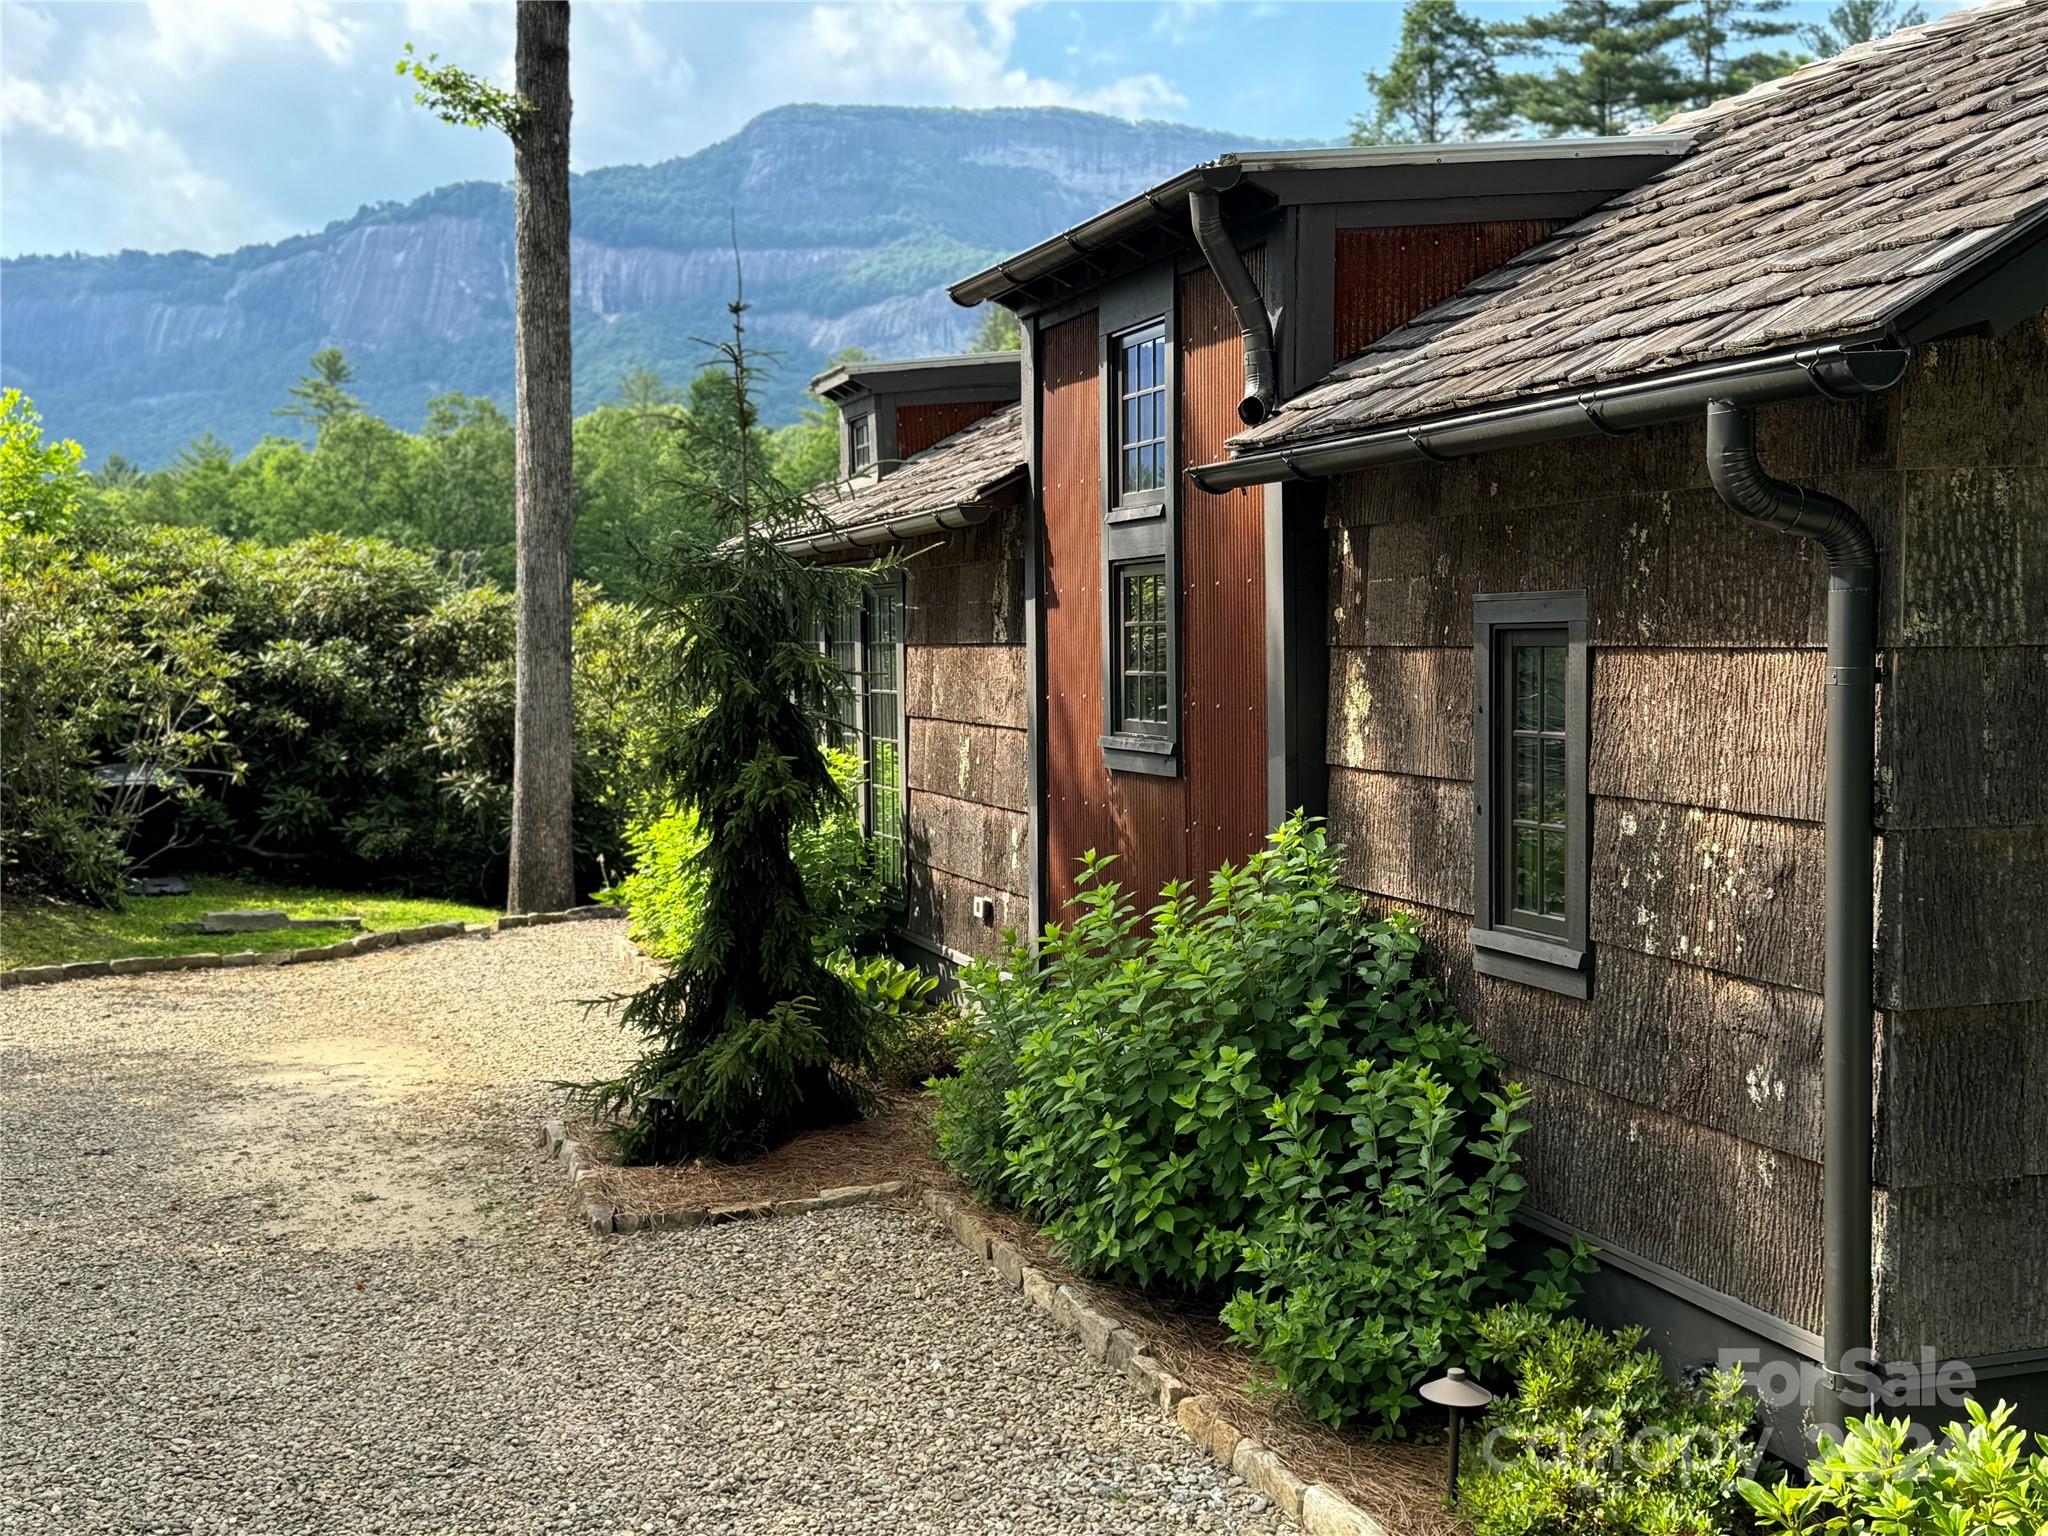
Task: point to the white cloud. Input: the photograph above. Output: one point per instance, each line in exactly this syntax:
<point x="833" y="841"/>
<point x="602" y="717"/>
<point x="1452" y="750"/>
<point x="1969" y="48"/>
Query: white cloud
<point x="188" y="36"/>
<point x="906" y="53"/>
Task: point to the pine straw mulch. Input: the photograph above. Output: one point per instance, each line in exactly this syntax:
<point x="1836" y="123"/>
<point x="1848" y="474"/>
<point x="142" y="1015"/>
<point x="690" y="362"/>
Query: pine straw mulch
<point x="1401" y="1484"/>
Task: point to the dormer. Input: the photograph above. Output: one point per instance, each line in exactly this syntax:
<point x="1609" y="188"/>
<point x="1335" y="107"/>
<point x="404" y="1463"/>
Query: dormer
<point x="889" y="411"/>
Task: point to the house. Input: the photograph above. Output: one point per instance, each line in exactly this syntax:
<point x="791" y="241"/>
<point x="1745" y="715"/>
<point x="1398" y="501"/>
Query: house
<point x="1638" y="549"/>
<point x="932" y="455"/>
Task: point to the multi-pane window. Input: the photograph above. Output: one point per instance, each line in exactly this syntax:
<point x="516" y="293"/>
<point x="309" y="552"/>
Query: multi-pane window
<point x="884" y="690"/>
<point x="1141" y="414"/>
<point x="1530" y="856"/>
<point x="865" y="641"/>
<point x="860" y="443"/>
<point x="1144" y="636"/>
<point x="1533" y="851"/>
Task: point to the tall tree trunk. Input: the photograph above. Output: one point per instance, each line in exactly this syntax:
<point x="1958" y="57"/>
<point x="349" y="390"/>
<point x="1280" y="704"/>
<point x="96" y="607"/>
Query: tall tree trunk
<point x="543" y="874"/>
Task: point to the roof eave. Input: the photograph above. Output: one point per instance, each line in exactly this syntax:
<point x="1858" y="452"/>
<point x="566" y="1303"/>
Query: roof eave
<point x="1840" y="369"/>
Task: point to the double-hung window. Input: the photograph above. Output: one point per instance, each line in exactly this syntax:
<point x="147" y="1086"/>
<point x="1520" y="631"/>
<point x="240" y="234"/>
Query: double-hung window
<point x="860" y="443"/>
<point x="1532" y="814"/>
<point x="1140" y="467"/>
<point x="1140" y="604"/>
<point x="865" y="641"/>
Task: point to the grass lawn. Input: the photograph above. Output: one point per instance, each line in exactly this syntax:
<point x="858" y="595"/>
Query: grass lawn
<point x="52" y="933"/>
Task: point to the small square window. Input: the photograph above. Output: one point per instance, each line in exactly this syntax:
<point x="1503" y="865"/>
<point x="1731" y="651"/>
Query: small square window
<point x="1530" y="853"/>
<point x="1139" y="429"/>
<point x="1144" y="655"/>
<point x="860" y="443"/>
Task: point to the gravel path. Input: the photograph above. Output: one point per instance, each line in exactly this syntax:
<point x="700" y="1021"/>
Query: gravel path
<point x="280" y="1259"/>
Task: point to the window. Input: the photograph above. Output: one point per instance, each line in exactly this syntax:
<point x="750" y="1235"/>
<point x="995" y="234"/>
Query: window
<point x="860" y="443"/>
<point x="865" y="641"/>
<point x="1140" y="427"/>
<point x="1530" y="853"/>
<point x="1144" y="638"/>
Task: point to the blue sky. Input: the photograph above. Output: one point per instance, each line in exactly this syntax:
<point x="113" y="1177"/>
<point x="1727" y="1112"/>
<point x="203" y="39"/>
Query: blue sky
<point x="210" y="124"/>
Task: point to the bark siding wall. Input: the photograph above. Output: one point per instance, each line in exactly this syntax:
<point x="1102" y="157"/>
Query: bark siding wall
<point x="1678" y="1110"/>
<point x="966" y="762"/>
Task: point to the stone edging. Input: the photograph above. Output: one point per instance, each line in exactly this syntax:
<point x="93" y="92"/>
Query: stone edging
<point x="602" y="1216"/>
<point x="362" y="943"/>
<point x="1321" y="1511"/>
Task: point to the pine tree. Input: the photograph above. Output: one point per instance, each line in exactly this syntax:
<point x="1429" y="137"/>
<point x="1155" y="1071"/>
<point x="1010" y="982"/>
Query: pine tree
<point x="1612" y="69"/>
<point x="1719" y="40"/>
<point x="999" y="332"/>
<point x="1859" y="21"/>
<point x="321" y="396"/>
<point x="1441" y="83"/>
<point x="750" y="1038"/>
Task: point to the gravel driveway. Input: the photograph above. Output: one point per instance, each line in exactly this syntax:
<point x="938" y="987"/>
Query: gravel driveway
<point x="280" y="1258"/>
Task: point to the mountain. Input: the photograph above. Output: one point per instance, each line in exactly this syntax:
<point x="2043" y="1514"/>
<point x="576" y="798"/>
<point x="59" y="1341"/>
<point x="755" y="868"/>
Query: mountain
<point x="850" y="219"/>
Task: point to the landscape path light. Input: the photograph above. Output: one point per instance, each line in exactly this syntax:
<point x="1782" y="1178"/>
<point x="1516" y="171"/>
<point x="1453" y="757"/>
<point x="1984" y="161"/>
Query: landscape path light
<point x="1461" y="1395"/>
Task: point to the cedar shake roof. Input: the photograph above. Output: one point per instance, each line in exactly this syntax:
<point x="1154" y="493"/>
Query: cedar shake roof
<point x="1830" y="205"/>
<point x="975" y="467"/>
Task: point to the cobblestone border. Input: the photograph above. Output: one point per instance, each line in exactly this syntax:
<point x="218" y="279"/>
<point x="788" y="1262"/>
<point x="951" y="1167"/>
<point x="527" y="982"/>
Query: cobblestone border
<point x="1319" y="1510"/>
<point x="361" y="944"/>
<point x="602" y="1216"/>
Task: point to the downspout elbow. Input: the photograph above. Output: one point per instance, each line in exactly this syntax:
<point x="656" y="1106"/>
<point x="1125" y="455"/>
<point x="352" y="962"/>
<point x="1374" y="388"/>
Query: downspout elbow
<point x="1746" y="487"/>
<point x="1261" y="388"/>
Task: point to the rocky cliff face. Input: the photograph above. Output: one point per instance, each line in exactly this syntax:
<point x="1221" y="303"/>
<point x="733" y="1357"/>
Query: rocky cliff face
<point x="851" y="221"/>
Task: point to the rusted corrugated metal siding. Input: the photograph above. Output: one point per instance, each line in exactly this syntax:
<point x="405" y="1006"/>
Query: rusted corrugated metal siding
<point x="1223" y="595"/>
<point x="1386" y="277"/>
<point x="1076" y="812"/>
<point x="919" y="426"/>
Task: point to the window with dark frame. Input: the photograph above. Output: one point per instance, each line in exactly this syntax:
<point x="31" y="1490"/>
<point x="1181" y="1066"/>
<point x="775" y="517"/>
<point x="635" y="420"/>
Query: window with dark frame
<point x="865" y="642"/>
<point x="1530" y="857"/>
<point x="1140" y="427"/>
<point x="860" y="443"/>
<point x="1144" y="638"/>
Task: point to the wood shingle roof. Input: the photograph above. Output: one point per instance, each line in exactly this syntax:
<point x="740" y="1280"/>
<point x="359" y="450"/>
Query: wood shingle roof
<point x="977" y="466"/>
<point x="1820" y="207"/>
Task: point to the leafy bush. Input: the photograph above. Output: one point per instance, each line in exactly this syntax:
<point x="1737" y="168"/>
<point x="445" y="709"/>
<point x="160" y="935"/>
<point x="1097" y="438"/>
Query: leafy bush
<point x="1257" y="1094"/>
<point x="1594" y="1438"/>
<point x="664" y="894"/>
<point x="913" y="1039"/>
<point x="1978" y="1478"/>
<point x="334" y="700"/>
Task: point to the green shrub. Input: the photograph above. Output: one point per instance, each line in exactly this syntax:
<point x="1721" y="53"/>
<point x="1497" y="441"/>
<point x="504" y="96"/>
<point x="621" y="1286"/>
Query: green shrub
<point x="1258" y="1094"/>
<point x="1595" y="1438"/>
<point x="1976" y="1480"/>
<point x="664" y="894"/>
<point x="334" y="703"/>
<point x="913" y="1039"/>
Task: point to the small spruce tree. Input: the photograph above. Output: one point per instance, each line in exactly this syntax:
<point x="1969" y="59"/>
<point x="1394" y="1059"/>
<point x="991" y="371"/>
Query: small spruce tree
<point x="750" y="1038"/>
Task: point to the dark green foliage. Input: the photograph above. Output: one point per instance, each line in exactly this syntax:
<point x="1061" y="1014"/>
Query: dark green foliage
<point x="1595" y="1439"/>
<point x="338" y="707"/>
<point x="913" y="1038"/>
<point x="1000" y="332"/>
<point x="1441" y="83"/>
<point x="1883" y="1477"/>
<point x="751" y="1036"/>
<point x="1265" y="1098"/>
<point x="1859" y="21"/>
<point x="1722" y="41"/>
<point x="1611" y="68"/>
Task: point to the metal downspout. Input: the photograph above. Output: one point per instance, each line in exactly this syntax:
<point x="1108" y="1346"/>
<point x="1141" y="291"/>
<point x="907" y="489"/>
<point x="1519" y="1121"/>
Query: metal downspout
<point x="1261" y="389"/>
<point x="1847" y="1052"/>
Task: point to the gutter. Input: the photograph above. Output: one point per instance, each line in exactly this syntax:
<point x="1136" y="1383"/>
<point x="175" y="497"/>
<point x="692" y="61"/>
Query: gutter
<point x="1261" y="391"/>
<point x="896" y="531"/>
<point x="1837" y="370"/>
<point x="1847" y="1053"/>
